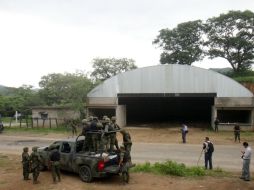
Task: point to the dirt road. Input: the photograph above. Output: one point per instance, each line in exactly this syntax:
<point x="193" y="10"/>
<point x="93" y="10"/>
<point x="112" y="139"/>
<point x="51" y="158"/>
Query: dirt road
<point x="225" y="156"/>
<point x="150" y="144"/>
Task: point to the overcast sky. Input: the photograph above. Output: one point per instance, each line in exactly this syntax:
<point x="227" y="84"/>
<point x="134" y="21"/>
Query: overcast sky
<point x="38" y="37"/>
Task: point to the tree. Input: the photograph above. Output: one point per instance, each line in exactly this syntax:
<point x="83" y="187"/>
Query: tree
<point x="105" y="68"/>
<point x="66" y="89"/>
<point x="181" y="45"/>
<point x="231" y="36"/>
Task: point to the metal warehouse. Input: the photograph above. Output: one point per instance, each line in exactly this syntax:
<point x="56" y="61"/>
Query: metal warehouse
<point x="177" y="93"/>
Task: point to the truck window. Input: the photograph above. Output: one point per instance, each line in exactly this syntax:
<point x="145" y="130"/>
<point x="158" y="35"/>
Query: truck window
<point x="66" y="147"/>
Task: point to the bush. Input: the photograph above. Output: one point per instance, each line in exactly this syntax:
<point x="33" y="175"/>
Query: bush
<point x="170" y="168"/>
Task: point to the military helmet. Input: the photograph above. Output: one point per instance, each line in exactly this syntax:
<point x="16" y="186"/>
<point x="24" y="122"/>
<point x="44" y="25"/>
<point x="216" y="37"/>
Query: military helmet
<point x="90" y="118"/>
<point x="25" y="149"/>
<point x="84" y="121"/>
<point x="104" y="117"/>
<point x="113" y="118"/>
<point x="107" y="120"/>
<point x="35" y="148"/>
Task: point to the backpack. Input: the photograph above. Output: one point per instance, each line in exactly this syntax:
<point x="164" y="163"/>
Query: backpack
<point x="210" y="147"/>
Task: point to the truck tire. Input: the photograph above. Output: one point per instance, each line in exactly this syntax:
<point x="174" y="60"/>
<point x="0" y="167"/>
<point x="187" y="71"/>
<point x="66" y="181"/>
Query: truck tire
<point x="85" y="174"/>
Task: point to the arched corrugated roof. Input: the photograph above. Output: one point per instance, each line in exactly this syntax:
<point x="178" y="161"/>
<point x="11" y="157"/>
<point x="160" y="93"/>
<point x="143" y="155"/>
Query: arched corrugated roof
<point x="170" y="79"/>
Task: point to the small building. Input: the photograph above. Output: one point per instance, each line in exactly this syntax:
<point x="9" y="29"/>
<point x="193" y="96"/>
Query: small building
<point x="53" y="115"/>
<point x="173" y="92"/>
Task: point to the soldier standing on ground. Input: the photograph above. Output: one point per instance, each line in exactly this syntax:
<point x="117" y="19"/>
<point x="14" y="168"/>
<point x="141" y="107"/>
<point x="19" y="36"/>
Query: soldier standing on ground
<point x="25" y="163"/>
<point x="126" y="141"/>
<point x="35" y="160"/>
<point x="208" y="149"/>
<point x="73" y="127"/>
<point x="216" y="123"/>
<point x="237" y="132"/>
<point x="246" y="156"/>
<point x="55" y="163"/>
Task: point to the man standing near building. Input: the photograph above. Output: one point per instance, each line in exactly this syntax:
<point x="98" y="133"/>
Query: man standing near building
<point x="184" y="131"/>
<point x="126" y="141"/>
<point x="55" y="163"/>
<point x="216" y="123"/>
<point x="208" y="149"/>
<point x="246" y="156"/>
<point x="237" y="132"/>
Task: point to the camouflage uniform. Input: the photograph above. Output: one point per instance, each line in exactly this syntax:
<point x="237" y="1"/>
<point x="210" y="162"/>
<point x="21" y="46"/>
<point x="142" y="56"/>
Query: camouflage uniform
<point x="127" y="141"/>
<point x="106" y="135"/>
<point x="55" y="163"/>
<point x="35" y="164"/>
<point x="88" y="140"/>
<point x="94" y="134"/>
<point x="25" y="163"/>
<point x="113" y="139"/>
<point x="124" y="159"/>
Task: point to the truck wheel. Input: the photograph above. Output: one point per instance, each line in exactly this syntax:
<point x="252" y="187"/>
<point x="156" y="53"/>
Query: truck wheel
<point x="125" y="177"/>
<point x="85" y="174"/>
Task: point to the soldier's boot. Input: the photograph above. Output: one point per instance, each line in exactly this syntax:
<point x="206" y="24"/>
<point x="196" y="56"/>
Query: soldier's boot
<point x="59" y="179"/>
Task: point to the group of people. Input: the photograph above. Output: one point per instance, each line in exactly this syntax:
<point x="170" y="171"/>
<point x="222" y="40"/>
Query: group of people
<point x="101" y="135"/>
<point x="208" y="149"/>
<point x="31" y="163"/>
<point x="237" y="129"/>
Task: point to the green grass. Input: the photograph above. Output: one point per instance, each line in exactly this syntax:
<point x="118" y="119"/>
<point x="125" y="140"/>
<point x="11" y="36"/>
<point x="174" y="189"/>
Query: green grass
<point x="175" y="169"/>
<point x="244" y="79"/>
<point x="39" y="130"/>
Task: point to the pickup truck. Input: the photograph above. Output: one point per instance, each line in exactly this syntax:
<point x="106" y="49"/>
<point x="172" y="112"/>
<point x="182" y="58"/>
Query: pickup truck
<point x="87" y="164"/>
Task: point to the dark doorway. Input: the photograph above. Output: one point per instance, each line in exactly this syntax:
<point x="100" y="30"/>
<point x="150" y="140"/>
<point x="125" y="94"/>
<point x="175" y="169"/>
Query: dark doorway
<point x="234" y="116"/>
<point x="168" y="108"/>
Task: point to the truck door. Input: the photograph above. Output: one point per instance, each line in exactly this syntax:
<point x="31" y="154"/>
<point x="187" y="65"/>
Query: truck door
<point x="66" y="156"/>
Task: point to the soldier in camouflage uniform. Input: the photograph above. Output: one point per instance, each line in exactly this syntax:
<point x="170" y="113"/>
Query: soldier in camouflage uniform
<point x="25" y="163"/>
<point x="85" y="132"/>
<point x="113" y="139"/>
<point x="94" y="134"/>
<point x="35" y="160"/>
<point x="55" y="162"/>
<point x="126" y="141"/>
<point x="106" y="135"/>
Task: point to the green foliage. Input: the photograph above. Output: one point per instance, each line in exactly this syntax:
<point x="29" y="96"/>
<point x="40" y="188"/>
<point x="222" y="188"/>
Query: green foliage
<point x="35" y="130"/>
<point x="231" y="36"/>
<point x="66" y="89"/>
<point x="170" y="168"/>
<point x="21" y="99"/>
<point x="181" y="45"/>
<point x="105" y="68"/>
<point x="249" y="79"/>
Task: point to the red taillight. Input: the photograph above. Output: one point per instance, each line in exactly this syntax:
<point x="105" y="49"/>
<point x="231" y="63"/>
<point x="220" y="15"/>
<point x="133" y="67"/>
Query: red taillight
<point x="101" y="165"/>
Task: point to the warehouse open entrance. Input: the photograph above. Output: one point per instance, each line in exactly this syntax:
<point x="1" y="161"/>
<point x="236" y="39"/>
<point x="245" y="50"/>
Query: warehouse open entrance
<point x="167" y="107"/>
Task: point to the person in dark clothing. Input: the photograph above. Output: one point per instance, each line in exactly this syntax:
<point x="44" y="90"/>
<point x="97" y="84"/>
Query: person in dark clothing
<point x="237" y="132"/>
<point x="25" y="163"/>
<point x="55" y="163"/>
<point x="208" y="149"/>
<point x="216" y="123"/>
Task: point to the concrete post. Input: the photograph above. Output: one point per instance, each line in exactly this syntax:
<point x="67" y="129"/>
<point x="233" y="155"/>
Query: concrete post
<point x="121" y="115"/>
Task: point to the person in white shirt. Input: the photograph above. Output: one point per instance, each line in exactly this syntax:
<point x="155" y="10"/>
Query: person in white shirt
<point x="246" y="156"/>
<point x="184" y="131"/>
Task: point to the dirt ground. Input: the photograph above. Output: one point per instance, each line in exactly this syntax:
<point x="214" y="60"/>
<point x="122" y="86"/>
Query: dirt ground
<point x="11" y="171"/>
